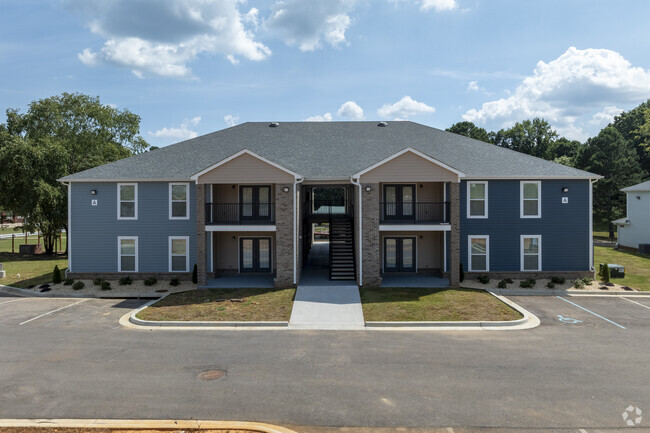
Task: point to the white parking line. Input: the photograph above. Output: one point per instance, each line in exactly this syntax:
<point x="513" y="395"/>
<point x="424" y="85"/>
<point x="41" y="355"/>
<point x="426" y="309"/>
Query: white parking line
<point x="13" y="300"/>
<point x="637" y="303"/>
<point x="53" y="311"/>
<point x="589" y="311"/>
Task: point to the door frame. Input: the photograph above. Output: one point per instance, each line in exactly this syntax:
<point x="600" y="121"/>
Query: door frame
<point x="239" y="254"/>
<point x="256" y="201"/>
<point x="415" y="253"/>
<point x="401" y="196"/>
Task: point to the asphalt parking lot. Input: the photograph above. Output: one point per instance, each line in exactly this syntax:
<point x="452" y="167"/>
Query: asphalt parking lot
<point x="579" y="369"/>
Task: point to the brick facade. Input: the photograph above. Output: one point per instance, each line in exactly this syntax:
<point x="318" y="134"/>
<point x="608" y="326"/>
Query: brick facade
<point x="370" y="235"/>
<point x="284" y="236"/>
<point x="201" y="243"/>
<point x="454" y="241"/>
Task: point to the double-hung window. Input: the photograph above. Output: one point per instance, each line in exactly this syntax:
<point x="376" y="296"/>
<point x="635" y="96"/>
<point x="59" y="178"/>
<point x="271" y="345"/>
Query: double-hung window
<point x="531" y="252"/>
<point x="179" y="202"/>
<point x="531" y="199"/>
<point x="179" y="258"/>
<point x="127" y="201"/>
<point x="477" y="199"/>
<point x="479" y="253"/>
<point x="127" y="252"/>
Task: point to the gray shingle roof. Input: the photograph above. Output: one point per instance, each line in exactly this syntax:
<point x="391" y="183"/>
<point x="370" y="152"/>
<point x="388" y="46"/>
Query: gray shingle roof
<point x="645" y="186"/>
<point x="328" y="150"/>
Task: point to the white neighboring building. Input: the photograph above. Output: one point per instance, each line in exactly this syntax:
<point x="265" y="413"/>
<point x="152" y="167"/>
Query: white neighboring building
<point x="634" y="229"/>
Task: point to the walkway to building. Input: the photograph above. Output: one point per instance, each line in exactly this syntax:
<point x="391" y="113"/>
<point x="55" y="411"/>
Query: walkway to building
<point x="321" y="303"/>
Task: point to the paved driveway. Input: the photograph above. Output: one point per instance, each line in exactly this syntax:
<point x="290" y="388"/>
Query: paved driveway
<point x="61" y="359"/>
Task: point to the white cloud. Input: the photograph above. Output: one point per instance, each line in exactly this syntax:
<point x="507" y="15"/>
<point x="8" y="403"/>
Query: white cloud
<point x="309" y="24"/>
<point x="473" y="86"/>
<point x="404" y="108"/>
<point x="606" y="116"/>
<point x="230" y="120"/>
<point x="568" y="91"/>
<point x="350" y="110"/>
<point x="182" y="133"/>
<point x="439" y="5"/>
<point x="327" y="117"/>
<point x="161" y="38"/>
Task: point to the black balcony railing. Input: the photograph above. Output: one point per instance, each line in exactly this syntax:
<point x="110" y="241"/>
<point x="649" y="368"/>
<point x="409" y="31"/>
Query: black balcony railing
<point x="240" y="213"/>
<point x="328" y="208"/>
<point x="414" y="213"/>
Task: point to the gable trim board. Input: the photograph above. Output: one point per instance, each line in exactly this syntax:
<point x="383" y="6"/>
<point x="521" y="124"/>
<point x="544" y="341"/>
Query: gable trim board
<point x="196" y="176"/>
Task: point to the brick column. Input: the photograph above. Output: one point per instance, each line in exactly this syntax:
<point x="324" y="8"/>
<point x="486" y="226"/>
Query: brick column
<point x="283" y="236"/>
<point x="454" y="242"/>
<point x="201" y="247"/>
<point x="370" y="235"/>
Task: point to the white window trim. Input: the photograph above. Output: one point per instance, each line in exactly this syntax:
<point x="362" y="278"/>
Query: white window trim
<point x="187" y="201"/>
<point x="119" y="252"/>
<point x="539" y="253"/>
<point x="135" y="201"/>
<point x="487" y="253"/>
<point x="469" y="184"/>
<point x="187" y="252"/>
<point x="539" y="199"/>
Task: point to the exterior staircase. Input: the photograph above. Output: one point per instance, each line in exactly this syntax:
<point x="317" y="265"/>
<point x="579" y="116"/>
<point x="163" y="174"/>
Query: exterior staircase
<point x="342" y="257"/>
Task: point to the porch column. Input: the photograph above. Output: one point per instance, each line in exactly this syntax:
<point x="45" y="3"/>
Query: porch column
<point x="201" y="247"/>
<point x="454" y="241"/>
<point x="283" y="236"/>
<point x="370" y="235"/>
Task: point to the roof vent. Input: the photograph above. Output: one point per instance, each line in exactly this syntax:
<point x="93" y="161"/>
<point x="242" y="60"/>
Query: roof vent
<point x="382" y="124"/>
<point x="274" y="124"/>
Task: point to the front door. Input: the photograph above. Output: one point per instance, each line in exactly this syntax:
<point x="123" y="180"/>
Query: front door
<point x="255" y="202"/>
<point x="399" y="254"/>
<point x="255" y="255"/>
<point x="399" y="202"/>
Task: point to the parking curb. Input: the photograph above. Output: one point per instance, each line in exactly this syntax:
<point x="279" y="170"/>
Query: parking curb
<point x="144" y="424"/>
<point x="556" y="292"/>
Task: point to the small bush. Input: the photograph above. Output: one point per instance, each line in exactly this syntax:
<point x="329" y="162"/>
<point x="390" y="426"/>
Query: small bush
<point x="126" y="281"/>
<point x="78" y="285"/>
<point x="174" y="282"/>
<point x="550" y="285"/>
<point x="150" y="281"/>
<point x="557" y="280"/>
<point x="461" y="274"/>
<point x="56" y="275"/>
<point x="98" y="281"/>
<point x="502" y="284"/>
<point x="587" y="280"/>
<point x="604" y="275"/>
<point x="508" y="280"/>
<point x="484" y="279"/>
<point x="106" y="285"/>
<point x="579" y="284"/>
<point x="68" y="282"/>
<point x="195" y="275"/>
<point x="527" y="284"/>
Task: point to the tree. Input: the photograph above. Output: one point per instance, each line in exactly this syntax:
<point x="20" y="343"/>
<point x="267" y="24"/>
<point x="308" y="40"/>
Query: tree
<point x="533" y="137"/>
<point x="468" y="129"/>
<point x="58" y="136"/>
<point x="631" y="124"/>
<point x="610" y="155"/>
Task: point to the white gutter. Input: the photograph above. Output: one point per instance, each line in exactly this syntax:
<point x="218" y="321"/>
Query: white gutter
<point x="591" y="224"/>
<point x="296" y="181"/>
<point x="68" y="231"/>
<point x="357" y="183"/>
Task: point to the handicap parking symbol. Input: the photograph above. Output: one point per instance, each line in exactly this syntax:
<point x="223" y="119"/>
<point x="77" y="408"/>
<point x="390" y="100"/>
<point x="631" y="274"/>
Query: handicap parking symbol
<point x="568" y="319"/>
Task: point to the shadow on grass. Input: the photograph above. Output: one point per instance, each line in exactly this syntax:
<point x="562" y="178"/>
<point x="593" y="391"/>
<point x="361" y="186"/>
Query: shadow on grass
<point x="200" y="296"/>
<point x="375" y="295"/>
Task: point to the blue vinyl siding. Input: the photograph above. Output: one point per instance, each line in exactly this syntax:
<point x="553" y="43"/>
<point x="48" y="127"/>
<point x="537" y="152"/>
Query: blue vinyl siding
<point x="94" y="229"/>
<point x="564" y="227"/>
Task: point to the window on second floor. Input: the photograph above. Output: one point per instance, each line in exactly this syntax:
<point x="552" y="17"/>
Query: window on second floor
<point x="477" y="199"/>
<point x="127" y="201"/>
<point x="531" y="199"/>
<point x="179" y="202"/>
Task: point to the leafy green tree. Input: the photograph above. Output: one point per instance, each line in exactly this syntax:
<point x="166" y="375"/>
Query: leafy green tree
<point x="468" y="129"/>
<point x="533" y="137"/>
<point x="631" y="126"/>
<point x="58" y="136"/>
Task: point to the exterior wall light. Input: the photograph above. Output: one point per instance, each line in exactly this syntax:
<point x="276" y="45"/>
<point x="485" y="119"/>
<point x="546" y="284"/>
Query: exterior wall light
<point x="565" y="190"/>
<point x="93" y="192"/>
<point x="285" y="189"/>
<point x="368" y="189"/>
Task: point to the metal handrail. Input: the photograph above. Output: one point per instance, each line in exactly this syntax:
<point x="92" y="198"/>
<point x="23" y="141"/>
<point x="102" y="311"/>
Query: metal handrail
<point x="414" y="212"/>
<point x="240" y="213"/>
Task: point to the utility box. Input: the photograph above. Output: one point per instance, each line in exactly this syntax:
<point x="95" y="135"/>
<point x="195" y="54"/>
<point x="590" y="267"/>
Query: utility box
<point x="29" y="249"/>
<point x="644" y="248"/>
<point x="2" y="271"/>
<point x="615" y="271"/>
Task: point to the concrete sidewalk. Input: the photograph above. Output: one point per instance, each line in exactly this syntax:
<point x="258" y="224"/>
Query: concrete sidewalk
<point x="327" y="307"/>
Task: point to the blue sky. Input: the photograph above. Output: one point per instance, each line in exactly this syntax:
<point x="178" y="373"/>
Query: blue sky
<point x="189" y="67"/>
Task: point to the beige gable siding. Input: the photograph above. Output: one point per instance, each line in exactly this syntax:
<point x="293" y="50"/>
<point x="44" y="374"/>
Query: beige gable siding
<point x="409" y="167"/>
<point x="246" y="169"/>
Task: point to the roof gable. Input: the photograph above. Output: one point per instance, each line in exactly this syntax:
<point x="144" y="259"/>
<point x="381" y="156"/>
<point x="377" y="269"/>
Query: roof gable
<point x="245" y="167"/>
<point x="407" y="165"/>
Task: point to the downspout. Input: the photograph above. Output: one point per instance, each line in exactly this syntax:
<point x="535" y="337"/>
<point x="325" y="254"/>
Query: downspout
<point x="67" y="234"/>
<point x="357" y="183"/>
<point x="296" y="182"/>
<point x="591" y="224"/>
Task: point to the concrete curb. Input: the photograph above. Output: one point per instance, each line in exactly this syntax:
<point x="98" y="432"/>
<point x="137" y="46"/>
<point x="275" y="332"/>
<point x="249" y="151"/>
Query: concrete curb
<point x="529" y="321"/>
<point x="144" y="424"/>
<point x="106" y="295"/>
<point x="555" y="292"/>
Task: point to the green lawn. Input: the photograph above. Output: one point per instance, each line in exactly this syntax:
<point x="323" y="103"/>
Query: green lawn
<point x="223" y="305"/>
<point x="637" y="266"/>
<point x="601" y="228"/>
<point x="33" y="270"/>
<point x="5" y="244"/>
<point x="411" y="304"/>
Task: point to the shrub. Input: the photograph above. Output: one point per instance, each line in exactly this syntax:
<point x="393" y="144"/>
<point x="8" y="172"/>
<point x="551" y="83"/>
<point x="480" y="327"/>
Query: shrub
<point x="126" y="281"/>
<point x="508" y="280"/>
<point x="484" y="279"/>
<point x="550" y="285"/>
<point x="195" y="275"/>
<point x="557" y="280"/>
<point x="604" y="275"/>
<point x="150" y="281"/>
<point x="587" y="280"/>
<point x="106" y="285"/>
<point x="68" y="282"/>
<point x="502" y="284"/>
<point x="461" y="274"/>
<point x="56" y="275"/>
<point x="527" y="284"/>
<point x="97" y="281"/>
<point x="579" y="284"/>
<point x="78" y="285"/>
<point x="174" y="282"/>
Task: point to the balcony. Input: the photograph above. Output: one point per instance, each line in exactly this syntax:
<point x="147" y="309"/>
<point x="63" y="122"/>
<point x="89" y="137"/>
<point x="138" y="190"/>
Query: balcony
<point x="239" y="213"/>
<point x="414" y="213"/>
